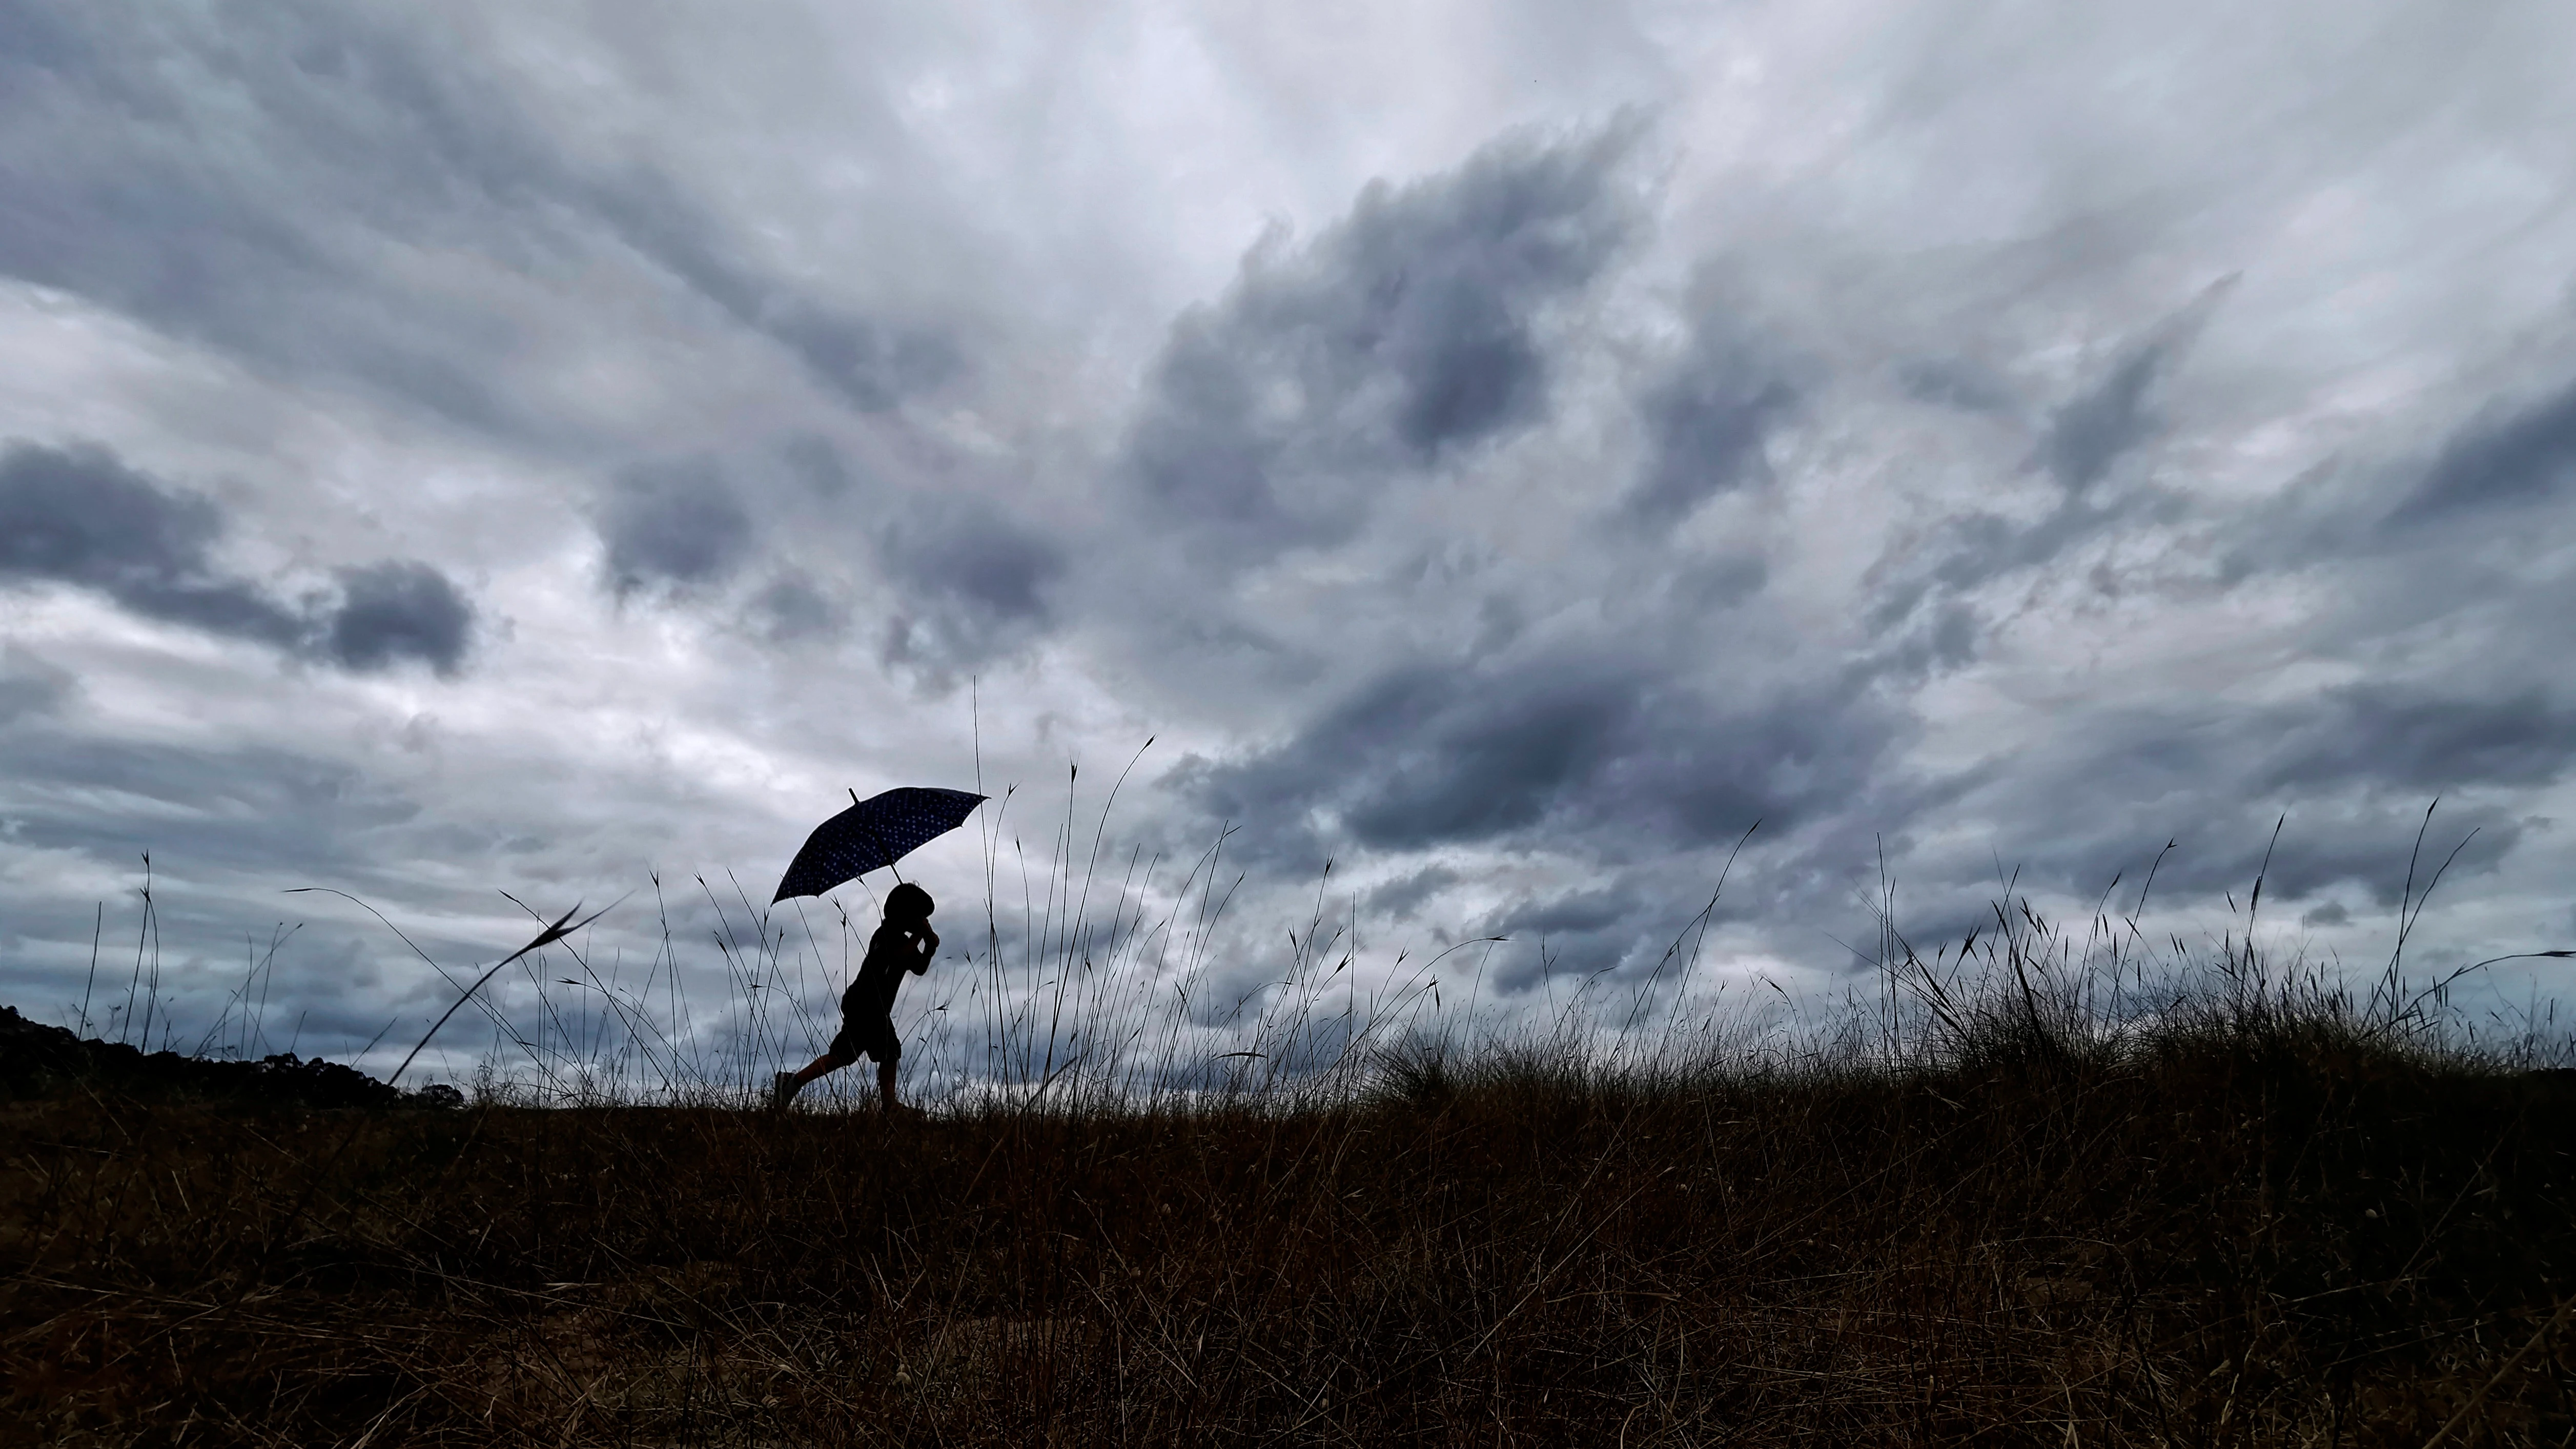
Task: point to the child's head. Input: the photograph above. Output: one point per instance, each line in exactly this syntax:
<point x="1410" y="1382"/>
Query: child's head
<point x="908" y="902"/>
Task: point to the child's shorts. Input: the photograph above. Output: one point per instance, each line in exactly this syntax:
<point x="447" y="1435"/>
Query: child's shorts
<point x="872" y="1034"/>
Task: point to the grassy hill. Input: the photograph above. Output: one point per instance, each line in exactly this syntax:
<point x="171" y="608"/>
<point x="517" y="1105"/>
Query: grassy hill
<point x="2256" y="1228"/>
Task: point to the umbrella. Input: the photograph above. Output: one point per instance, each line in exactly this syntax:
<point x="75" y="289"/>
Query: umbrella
<point x="873" y="833"/>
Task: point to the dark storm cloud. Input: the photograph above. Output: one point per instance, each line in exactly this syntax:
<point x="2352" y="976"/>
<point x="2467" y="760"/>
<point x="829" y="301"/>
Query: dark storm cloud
<point x="2086" y="436"/>
<point x="2519" y="457"/>
<point x="790" y="608"/>
<point x="2092" y="430"/>
<point x="2222" y="848"/>
<point x="677" y="522"/>
<point x="2407" y="545"/>
<point x="1956" y="383"/>
<point x="1707" y="422"/>
<point x="2405" y="742"/>
<point x="227" y="829"/>
<point x="29" y="686"/>
<point x="966" y="551"/>
<point x="2408" y="739"/>
<point x="869" y="363"/>
<point x="1582" y="912"/>
<point x="397" y="611"/>
<point x="1597" y="747"/>
<point x="80" y="516"/>
<point x="190" y="180"/>
<point x="2097" y="427"/>
<point x="814" y="462"/>
<point x="2352" y="769"/>
<point x="1405" y="333"/>
<point x="1400" y="897"/>
<point x="1426" y="756"/>
<point x="1922" y="621"/>
<point x="970" y="580"/>
<point x="252" y="811"/>
<point x="1580" y="933"/>
<point x="967" y="578"/>
<point x="238" y="179"/>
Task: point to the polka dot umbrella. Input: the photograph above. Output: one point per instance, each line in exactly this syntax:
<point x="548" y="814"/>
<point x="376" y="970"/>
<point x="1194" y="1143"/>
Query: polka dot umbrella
<point x="873" y="834"/>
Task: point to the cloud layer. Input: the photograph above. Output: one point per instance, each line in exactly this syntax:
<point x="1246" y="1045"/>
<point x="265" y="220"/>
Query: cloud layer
<point x="78" y="516"/>
<point x="1507" y="458"/>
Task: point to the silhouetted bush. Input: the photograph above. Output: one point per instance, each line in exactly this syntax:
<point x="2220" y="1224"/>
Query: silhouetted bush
<point x="38" y="1061"/>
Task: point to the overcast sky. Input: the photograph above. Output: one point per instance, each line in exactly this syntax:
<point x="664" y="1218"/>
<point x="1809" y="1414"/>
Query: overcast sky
<point x="1505" y="449"/>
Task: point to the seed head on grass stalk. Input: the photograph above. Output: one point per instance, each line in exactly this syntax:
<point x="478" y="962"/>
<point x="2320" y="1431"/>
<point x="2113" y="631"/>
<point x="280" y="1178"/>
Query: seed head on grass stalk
<point x="562" y="926"/>
<point x="547" y="937"/>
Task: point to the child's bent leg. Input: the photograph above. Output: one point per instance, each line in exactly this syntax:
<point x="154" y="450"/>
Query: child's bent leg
<point x="784" y="1087"/>
<point x="817" y="1067"/>
<point x="885" y="1082"/>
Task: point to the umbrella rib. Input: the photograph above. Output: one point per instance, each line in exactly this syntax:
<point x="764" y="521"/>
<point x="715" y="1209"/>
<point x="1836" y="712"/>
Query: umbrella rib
<point x="872" y="835"/>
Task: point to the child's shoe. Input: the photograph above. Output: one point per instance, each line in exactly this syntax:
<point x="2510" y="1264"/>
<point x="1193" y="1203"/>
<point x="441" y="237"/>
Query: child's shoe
<point x="782" y="1090"/>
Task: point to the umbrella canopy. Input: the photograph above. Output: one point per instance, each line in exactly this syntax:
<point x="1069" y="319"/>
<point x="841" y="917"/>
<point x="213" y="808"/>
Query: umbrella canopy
<point x="871" y="834"/>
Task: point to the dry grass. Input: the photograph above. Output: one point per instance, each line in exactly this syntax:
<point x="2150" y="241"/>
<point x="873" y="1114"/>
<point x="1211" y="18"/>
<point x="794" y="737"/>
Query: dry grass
<point x="2041" y="1191"/>
<point x="2202" y="1237"/>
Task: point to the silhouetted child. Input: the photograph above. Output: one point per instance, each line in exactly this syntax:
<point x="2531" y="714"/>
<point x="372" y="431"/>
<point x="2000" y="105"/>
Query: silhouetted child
<point x="903" y="943"/>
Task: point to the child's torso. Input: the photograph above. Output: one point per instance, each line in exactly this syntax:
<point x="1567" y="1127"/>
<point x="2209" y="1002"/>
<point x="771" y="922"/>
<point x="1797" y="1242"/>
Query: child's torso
<point x="891" y="952"/>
